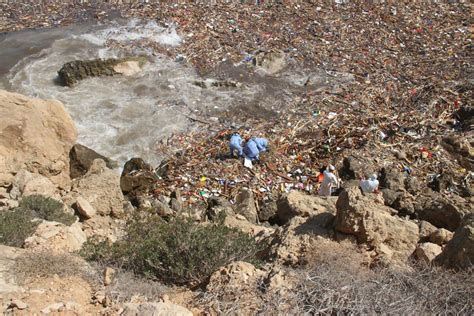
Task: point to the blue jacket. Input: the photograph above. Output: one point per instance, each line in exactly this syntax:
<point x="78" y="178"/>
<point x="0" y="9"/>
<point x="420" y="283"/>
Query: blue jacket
<point x="235" y="143"/>
<point x="262" y="143"/>
<point x="251" y="150"/>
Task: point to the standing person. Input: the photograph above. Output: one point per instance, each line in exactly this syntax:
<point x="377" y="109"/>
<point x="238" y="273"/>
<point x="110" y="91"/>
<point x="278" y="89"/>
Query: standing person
<point x="330" y="181"/>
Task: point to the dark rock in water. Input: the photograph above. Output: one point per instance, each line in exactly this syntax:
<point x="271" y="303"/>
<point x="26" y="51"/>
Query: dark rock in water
<point x="81" y="158"/>
<point x="74" y="71"/>
<point x="138" y="178"/>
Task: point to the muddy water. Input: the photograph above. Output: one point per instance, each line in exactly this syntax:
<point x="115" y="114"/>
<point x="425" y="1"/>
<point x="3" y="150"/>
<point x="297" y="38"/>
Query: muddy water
<point x="124" y="117"/>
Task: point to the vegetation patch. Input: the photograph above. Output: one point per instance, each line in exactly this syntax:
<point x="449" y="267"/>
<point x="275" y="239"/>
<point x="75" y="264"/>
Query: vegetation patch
<point x="15" y="226"/>
<point x="46" y="208"/>
<point x="177" y="251"/>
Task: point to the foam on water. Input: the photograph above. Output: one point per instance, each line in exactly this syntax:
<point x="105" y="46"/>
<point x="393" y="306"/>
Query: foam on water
<point x="122" y="117"/>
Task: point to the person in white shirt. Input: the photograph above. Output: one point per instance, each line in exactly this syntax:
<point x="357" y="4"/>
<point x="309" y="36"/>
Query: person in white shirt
<point x="371" y="185"/>
<point x="330" y="181"/>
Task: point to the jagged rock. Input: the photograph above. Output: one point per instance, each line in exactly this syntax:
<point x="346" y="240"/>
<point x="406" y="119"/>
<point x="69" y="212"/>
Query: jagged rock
<point x="100" y="186"/>
<point x="27" y="183"/>
<point x="426" y="229"/>
<point x="441" y="211"/>
<point x="427" y="251"/>
<point x="46" y="133"/>
<point x="155" y="309"/>
<point x="245" y="205"/>
<point x="441" y="236"/>
<point x="74" y="71"/>
<point x="104" y="227"/>
<point x="218" y="206"/>
<point x="393" y="238"/>
<point x="292" y="241"/>
<point x="84" y="208"/>
<point x="176" y="201"/>
<point x="138" y="178"/>
<point x="355" y="168"/>
<point x="81" y="158"/>
<point x="267" y="211"/>
<point x="57" y="236"/>
<point x="459" y="251"/>
<point x="393" y="179"/>
<point x="238" y="221"/>
<point x="296" y="203"/>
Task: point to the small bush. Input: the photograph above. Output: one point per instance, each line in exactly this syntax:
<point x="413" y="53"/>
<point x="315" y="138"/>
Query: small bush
<point x="46" y="264"/>
<point x="47" y="208"/>
<point x="15" y="226"/>
<point x="178" y="251"/>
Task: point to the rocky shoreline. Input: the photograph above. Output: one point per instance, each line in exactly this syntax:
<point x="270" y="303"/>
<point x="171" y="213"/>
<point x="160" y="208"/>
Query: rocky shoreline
<point x="402" y="118"/>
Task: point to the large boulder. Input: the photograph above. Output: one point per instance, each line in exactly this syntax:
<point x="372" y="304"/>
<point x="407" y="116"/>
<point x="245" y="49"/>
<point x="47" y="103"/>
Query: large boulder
<point x="35" y="135"/>
<point x="81" y="158"/>
<point x="100" y="187"/>
<point x="138" y="179"/>
<point x="393" y="238"/>
<point x="297" y="203"/>
<point x="75" y="71"/>
<point x="27" y="183"/>
<point x="441" y="211"/>
<point x="459" y="251"/>
<point x="57" y="237"/>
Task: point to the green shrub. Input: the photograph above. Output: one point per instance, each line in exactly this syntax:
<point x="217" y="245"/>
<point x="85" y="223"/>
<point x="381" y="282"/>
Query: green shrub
<point x="47" y="208"/>
<point x="15" y="226"/>
<point x="178" y="251"/>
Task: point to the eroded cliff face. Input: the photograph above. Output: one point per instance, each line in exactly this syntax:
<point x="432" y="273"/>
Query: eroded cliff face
<point x="36" y="135"/>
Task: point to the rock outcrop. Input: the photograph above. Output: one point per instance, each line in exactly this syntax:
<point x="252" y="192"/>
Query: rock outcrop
<point x="138" y="178"/>
<point x="75" y="71"/>
<point x="35" y="135"/>
<point x="427" y="252"/>
<point x="296" y="203"/>
<point x="27" y="183"/>
<point x="459" y="251"/>
<point x="393" y="238"/>
<point x="100" y="187"/>
<point x="81" y="158"/>
<point x="57" y="237"/>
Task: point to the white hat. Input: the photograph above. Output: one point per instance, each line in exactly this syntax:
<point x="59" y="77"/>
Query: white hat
<point x="331" y="168"/>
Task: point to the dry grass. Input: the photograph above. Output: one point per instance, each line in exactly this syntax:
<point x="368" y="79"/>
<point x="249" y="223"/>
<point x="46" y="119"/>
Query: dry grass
<point x="127" y="286"/>
<point x="42" y="264"/>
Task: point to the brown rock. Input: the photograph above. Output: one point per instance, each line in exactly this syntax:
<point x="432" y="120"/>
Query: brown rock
<point x="296" y="203"/>
<point x="81" y="158"/>
<point x="100" y="186"/>
<point x="459" y="251"/>
<point x="245" y="206"/>
<point x="392" y="237"/>
<point x="441" y="236"/>
<point x="18" y="304"/>
<point x="57" y="236"/>
<point x="36" y="135"/>
<point x="84" y="208"/>
<point x="426" y="229"/>
<point x="427" y="252"/>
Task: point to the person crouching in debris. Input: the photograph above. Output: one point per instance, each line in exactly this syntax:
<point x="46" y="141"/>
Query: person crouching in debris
<point x="330" y="181"/>
<point x="254" y="146"/>
<point x="371" y="185"/>
<point x="235" y="144"/>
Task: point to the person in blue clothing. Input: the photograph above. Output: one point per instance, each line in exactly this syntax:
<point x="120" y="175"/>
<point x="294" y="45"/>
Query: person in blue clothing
<point x="235" y="144"/>
<point x="254" y="147"/>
